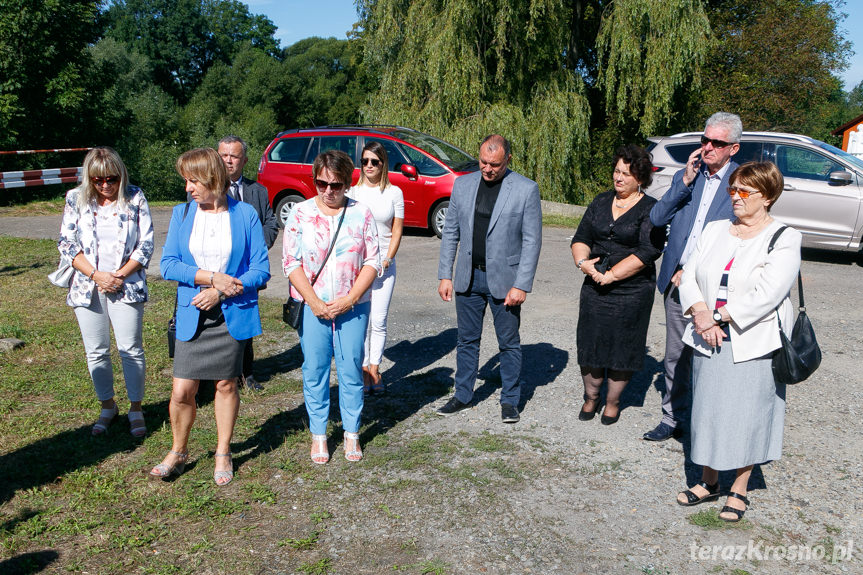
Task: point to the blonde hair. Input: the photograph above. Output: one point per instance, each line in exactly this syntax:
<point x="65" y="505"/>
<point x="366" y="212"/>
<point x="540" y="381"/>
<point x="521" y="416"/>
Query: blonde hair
<point x="377" y="149"/>
<point x="206" y="167"/>
<point x="101" y="162"/>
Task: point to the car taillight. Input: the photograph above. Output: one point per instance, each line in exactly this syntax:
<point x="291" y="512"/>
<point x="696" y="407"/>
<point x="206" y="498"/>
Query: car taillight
<point x="262" y="164"/>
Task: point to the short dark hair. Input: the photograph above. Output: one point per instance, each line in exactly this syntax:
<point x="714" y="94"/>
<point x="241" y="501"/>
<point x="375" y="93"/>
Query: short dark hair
<point x="235" y="140"/>
<point x="336" y="161"/>
<point x="639" y="161"/>
<point x="763" y="176"/>
<point x="494" y="141"/>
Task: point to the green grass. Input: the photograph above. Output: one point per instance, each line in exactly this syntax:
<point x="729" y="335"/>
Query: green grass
<point x="709" y="519"/>
<point x="561" y="221"/>
<point x="89" y="498"/>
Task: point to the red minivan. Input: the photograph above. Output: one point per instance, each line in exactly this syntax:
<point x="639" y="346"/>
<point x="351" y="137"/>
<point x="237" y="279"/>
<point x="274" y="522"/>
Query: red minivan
<point x="423" y="166"/>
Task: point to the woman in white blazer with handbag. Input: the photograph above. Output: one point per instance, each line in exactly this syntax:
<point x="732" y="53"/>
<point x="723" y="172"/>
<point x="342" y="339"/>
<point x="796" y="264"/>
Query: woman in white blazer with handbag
<point x="732" y="289"/>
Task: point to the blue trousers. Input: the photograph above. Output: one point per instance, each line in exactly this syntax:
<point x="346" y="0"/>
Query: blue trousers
<point x="470" y="310"/>
<point x="321" y="341"/>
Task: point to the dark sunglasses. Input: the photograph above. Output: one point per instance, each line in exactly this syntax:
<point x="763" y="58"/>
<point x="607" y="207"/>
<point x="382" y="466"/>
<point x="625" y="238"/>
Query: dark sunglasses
<point x="107" y="180"/>
<point x="334" y="186"/>
<point x="716" y="143"/>
<point x="373" y="161"/>
<point x="740" y="192"/>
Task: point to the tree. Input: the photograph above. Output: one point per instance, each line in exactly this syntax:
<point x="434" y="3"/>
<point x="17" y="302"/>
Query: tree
<point x="530" y="69"/>
<point x="325" y="82"/>
<point x="773" y="62"/>
<point x="43" y="63"/>
<point x="184" y="38"/>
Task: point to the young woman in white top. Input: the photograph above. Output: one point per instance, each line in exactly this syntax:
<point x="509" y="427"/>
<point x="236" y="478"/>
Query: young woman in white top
<point x="387" y="204"/>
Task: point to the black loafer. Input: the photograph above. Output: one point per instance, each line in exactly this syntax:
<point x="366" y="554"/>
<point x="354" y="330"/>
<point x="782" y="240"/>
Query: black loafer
<point x="693" y="499"/>
<point x="509" y="413"/>
<point x="451" y="406"/>
<point x="662" y="432"/>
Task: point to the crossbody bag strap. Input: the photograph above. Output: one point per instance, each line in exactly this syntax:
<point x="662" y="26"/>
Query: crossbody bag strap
<point x="802" y="306"/>
<point x="332" y="244"/>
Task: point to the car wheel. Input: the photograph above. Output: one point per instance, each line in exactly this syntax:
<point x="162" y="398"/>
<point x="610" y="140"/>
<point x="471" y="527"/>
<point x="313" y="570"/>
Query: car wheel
<point x="284" y="207"/>
<point x="438" y="217"/>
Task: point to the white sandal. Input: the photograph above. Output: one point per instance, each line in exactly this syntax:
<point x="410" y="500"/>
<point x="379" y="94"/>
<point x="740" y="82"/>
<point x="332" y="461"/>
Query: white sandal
<point x="356" y="454"/>
<point x="320" y="455"/>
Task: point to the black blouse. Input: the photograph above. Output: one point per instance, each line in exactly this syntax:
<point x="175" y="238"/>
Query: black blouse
<point x="630" y="234"/>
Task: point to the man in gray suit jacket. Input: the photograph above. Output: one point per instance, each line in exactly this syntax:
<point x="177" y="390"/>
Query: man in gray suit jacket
<point x="698" y="195"/>
<point x="494" y="222"/>
<point x="233" y="151"/>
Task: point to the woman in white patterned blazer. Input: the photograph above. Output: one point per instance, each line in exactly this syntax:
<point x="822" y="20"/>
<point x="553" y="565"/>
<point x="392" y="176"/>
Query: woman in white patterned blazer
<point x="107" y="237"/>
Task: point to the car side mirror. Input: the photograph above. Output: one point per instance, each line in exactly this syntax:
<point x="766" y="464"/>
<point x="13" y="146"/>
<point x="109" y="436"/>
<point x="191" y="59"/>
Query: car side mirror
<point x="410" y="171"/>
<point x="841" y="178"/>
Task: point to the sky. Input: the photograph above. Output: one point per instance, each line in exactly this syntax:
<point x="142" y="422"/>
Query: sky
<point x="298" y="19"/>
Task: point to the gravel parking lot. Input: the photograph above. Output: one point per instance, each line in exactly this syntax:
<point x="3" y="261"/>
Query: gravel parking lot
<point x="599" y="499"/>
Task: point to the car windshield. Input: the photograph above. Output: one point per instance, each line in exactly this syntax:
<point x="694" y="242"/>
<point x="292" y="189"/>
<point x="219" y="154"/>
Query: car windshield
<point x="446" y="153"/>
<point x="842" y="154"/>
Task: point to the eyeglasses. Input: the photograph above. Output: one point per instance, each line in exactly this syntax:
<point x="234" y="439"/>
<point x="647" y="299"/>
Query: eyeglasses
<point x="741" y="192"/>
<point x="334" y="186"/>
<point x="716" y="143"/>
<point x="107" y="180"/>
<point x="373" y="161"/>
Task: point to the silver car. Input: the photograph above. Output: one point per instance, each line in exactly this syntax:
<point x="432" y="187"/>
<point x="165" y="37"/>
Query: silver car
<point x="823" y="195"/>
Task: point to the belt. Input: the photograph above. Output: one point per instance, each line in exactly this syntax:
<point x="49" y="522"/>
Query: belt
<point x="480" y="267"/>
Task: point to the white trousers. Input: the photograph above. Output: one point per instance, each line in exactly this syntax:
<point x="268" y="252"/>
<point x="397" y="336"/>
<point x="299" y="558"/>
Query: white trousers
<point x="127" y="320"/>
<point x="376" y="334"/>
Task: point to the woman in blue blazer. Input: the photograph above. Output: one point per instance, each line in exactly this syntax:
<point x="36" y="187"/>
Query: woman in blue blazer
<point x="216" y="253"/>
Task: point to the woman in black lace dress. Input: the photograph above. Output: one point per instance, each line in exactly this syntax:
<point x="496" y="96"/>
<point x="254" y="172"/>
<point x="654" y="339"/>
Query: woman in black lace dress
<point x="615" y="247"/>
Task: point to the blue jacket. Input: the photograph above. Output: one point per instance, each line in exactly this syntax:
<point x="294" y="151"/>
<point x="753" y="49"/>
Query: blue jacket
<point x="248" y="262"/>
<point x="678" y="207"/>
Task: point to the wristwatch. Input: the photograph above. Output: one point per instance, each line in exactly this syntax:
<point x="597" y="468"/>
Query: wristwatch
<point x="717" y="317"/>
<point x="581" y="261"/>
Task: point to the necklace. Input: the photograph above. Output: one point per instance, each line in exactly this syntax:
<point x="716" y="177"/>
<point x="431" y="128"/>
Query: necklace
<point x="618" y="205"/>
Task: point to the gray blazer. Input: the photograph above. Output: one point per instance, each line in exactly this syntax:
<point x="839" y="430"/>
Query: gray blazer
<point x="513" y="241"/>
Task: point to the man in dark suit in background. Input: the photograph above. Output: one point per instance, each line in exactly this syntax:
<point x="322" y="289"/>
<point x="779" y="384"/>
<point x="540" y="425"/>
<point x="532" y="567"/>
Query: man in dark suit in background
<point x="698" y="195"/>
<point x="233" y="151"/>
<point x="494" y="221"/>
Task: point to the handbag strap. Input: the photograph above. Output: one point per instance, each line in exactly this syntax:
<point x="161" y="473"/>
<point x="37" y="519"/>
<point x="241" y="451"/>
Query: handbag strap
<point x="332" y="244"/>
<point x="802" y="306"/>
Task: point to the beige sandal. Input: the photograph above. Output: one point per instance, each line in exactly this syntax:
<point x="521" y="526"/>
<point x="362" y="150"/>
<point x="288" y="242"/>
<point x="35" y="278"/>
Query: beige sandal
<point x="222" y="478"/>
<point x="164" y="471"/>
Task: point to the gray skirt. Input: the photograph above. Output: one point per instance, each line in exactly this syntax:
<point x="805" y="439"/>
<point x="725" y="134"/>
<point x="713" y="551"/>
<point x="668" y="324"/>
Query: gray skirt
<point x="738" y="411"/>
<point x="212" y="353"/>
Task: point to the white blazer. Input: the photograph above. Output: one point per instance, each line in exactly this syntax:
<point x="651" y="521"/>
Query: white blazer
<point x="757" y="283"/>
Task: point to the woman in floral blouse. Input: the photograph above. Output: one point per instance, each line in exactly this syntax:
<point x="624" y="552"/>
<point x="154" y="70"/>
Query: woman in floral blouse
<point x="107" y="237"/>
<point x="337" y="306"/>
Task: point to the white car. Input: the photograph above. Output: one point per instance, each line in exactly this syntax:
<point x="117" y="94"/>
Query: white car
<point x="823" y="194"/>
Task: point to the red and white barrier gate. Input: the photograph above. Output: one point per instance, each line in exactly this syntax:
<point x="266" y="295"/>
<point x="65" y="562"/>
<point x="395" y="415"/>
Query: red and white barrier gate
<point x="29" y="178"/>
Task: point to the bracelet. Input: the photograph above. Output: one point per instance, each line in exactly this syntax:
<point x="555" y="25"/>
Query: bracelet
<point x="212" y="275"/>
<point x="581" y="261"/>
<point x="92" y="273"/>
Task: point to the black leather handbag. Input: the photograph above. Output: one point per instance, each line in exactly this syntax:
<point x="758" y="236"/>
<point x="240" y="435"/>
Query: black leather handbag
<point x="172" y="323"/>
<point x="800" y="356"/>
<point x="292" y="310"/>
